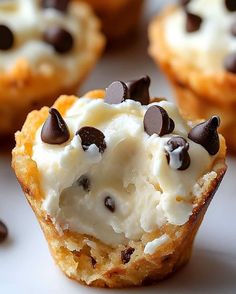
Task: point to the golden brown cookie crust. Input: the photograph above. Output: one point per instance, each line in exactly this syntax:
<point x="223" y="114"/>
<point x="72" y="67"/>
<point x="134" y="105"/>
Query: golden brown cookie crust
<point x="100" y="265"/>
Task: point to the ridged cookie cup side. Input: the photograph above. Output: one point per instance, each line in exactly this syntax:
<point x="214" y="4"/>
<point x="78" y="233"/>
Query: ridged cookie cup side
<point x="25" y="86"/>
<point x="119" y="18"/>
<point x="198" y="93"/>
<point x="88" y="260"/>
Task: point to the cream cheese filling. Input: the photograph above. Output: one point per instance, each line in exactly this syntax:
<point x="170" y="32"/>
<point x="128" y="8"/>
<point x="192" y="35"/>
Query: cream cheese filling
<point x="133" y="170"/>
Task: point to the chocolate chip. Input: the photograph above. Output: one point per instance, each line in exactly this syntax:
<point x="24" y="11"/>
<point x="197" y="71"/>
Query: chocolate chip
<point x="233" y="29"/>
<point x="89" y="136"/>
<point x="193" y="22"/>
<point x="3" y="232"/>
<point x="109" y="203"/>
<point x="230" y="63"/>
<point x="6" y="38"/>
<point x="55" y="130"/>
<point x="60" y="5"/>
<point x="157" y="121"/>
<point x="206" y="135"/>
<point x="177" y="153"/>
<point x="184" y="2"/>
<point x="126" y="254"/>
<point x="93" y="261"/>
<point x="138" y="90"/>
<point x="116" y="93"/>
<point x="61" y="40"/>
<point x="230" y="5"/>
<point x="84" y="182"/>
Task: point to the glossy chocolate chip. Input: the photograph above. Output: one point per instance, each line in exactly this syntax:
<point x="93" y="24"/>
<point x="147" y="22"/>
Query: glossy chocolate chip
<point x="6" y="38"/>
<point x="60" y="5"/>
<point x="138" y="90"/>
<point x="93" y="262"/>
<point x="177" y="153"/>
<point x="84" y="182"/>
<point x="233" y="29"/>
<point x="3" y="232"/>
<point x="230" y="5"/>
<point x="184" y="2"/>
<point x="157" y="121"/>
<point x="89" y="136"/>
<point x="110" y="203"/>
<point x="116" y="93"/>
<point x="61" y="40"/>
<point x="193" y="22"/>
<point x="230" y="63"/>
<point x="55" y="130"/>
<point x="126" y="254"/>
<point x="206" y="135"/>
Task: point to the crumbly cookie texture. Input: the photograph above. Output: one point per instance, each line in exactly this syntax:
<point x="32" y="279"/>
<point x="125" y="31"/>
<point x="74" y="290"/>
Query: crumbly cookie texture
<point x="184" y="41"/>
<point x="117" y="184"/>
<point x="54" y="45"/>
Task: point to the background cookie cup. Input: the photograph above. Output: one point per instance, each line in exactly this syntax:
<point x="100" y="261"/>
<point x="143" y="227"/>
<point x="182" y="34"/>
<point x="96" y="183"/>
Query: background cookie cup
<point x="90" y="261"/>
<point x="200" y="92"/>
<point x="119" y="18"/>
<point x="66" y="43"/>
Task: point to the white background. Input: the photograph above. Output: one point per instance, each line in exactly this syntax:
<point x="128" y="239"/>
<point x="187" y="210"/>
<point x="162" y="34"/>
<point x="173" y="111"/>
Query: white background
<point x="25" y="263"/>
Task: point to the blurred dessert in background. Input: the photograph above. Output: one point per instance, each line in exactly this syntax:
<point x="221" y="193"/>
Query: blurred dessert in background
<point x="194" y="42"/>
<point x="46" y="48"/>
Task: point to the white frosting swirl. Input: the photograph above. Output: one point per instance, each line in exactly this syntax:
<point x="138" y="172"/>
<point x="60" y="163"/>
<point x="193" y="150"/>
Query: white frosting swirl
<point x="207" y="47"/>
<point x="28" y="21"/>
<point x="133" y="170"/>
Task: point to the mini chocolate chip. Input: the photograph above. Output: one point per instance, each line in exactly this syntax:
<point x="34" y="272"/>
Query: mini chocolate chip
<point x="93" y="261"/>
<point x="230" y="5"/>
<point x="184" y="2"/>
<point x="110" y="203"/>
<point x="89" y="136"/>
<point x="233" y="29"/>
<point x="55" y="130"/>
<point x="138" y="90"/>
<point x="61" y="40"/>
<point x="116" y="93"/>
<point x="157" y="121"/>
<point x="206" y="135"/>
<point x="6" y="38"/>
<point x="60" y="5"/>
<point x="193" y="22"/>
<point x="3" y="232"/>
<point x="177" y="153"/>
<point x="230" y="63"/>
<point x="126" y="254"/>
<point x="84" y="182"/>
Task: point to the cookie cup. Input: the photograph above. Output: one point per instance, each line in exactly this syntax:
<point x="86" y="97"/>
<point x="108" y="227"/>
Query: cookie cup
<point x="199" y="94"/>
<point x="88" y="260"/>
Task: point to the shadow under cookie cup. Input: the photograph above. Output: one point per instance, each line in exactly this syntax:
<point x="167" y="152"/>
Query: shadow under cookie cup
<point x="199" y="94"/>
<point x="101" y="265"/>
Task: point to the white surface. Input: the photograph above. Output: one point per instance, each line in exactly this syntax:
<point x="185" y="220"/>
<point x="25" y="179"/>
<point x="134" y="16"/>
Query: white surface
<point x="25" y="263"/>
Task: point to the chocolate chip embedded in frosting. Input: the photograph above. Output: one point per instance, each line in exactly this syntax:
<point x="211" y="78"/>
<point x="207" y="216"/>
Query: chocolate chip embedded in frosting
<point x="6" y="38"/>
<point x="110" y="203"/>
<point x="116" y="93"/>
<point x="91" y="135"/>
<point x="138" y="90"/>
<point x="206" y="135"/>
<point x="177" y="153"/>
<point x="60" y="5"/>
<point x="84" y="182"/>
<point x="157" y="121"/>
<point x="230" y="63"/>
<point x="230" y="5"/>
<point x="55" y="130"/>
<point x="3" y="232"/>
<point x="61" y="40"/>
<point x="126" y="254"/>
<point x="193" y="22"/>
